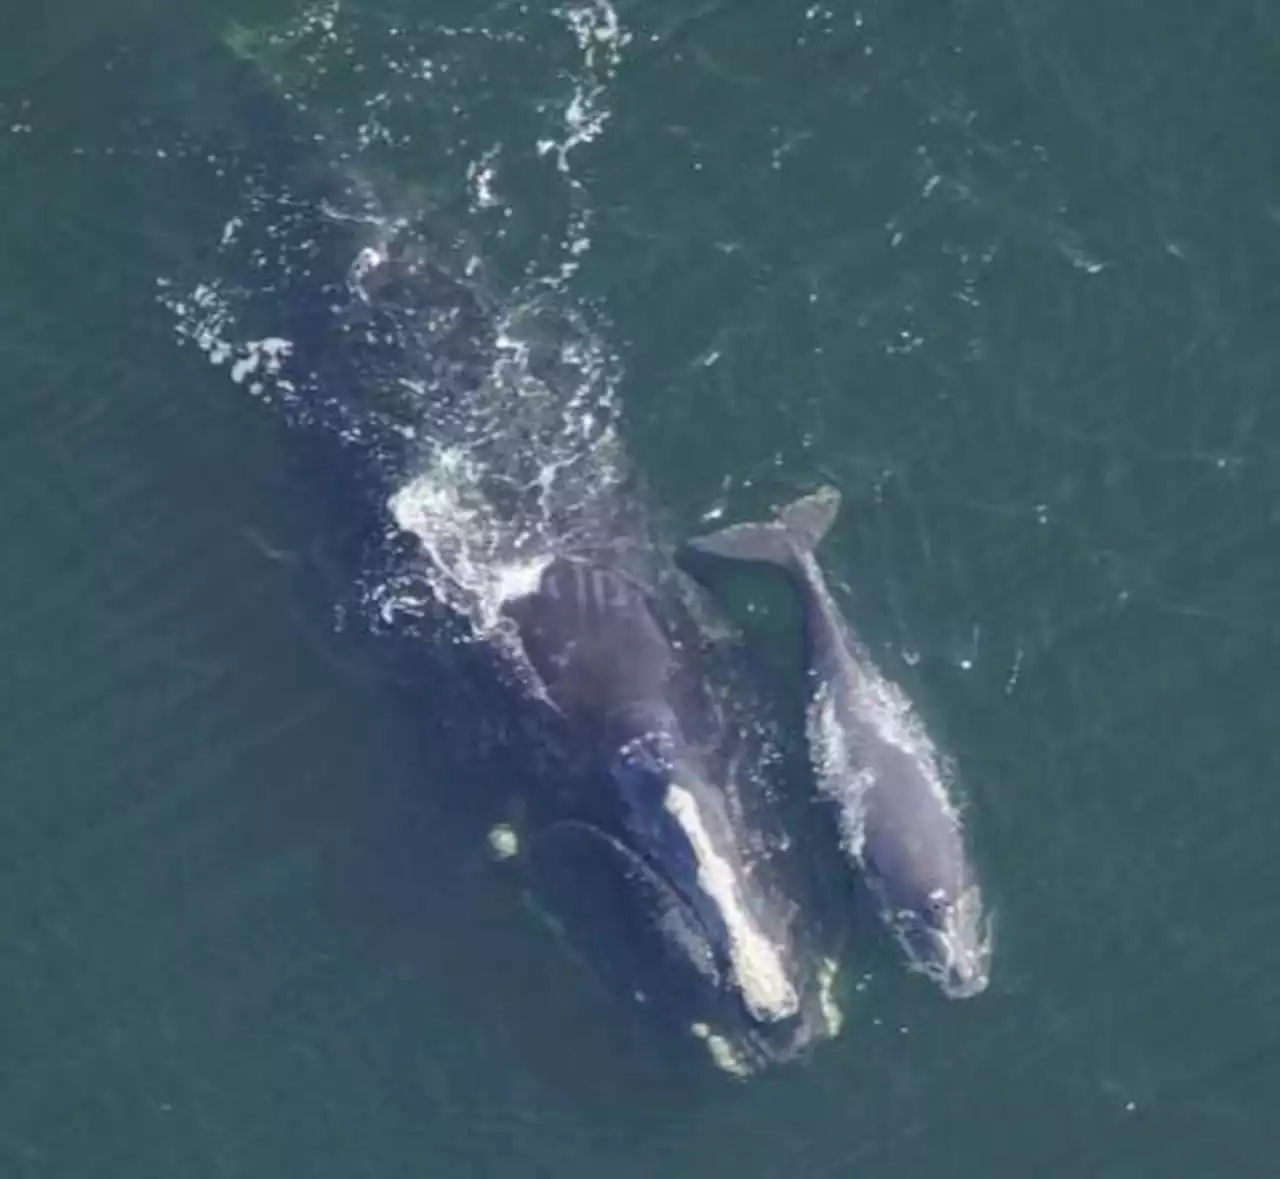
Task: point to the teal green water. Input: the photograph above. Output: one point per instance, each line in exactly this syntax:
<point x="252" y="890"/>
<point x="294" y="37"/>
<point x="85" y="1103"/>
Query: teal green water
<point x="1008" y="274"/>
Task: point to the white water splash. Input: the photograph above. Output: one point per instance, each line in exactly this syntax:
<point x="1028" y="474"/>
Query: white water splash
<point x="494" y="478"/>
<point x="205" y="317"/>
<point x="480" y="177"/>
<point x="264" y="356"/>
<point x="601" y="40"/>
<point x="836" y="768"/>
<point x="474" y="564"/>
<point x="499" y="478"/>
<point x="882" y="710"/>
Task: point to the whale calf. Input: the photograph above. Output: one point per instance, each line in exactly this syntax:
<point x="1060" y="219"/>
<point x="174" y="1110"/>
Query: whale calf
<point x="874" y="761"/>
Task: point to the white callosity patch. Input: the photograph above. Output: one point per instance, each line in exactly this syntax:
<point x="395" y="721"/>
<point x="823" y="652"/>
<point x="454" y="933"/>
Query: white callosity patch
<point x="757" y="965"/>
<point x="963" y="968"/>
<point x="832" y="1016"/>
<point x="723" y="1054"/>
<point x="504" y="843"/>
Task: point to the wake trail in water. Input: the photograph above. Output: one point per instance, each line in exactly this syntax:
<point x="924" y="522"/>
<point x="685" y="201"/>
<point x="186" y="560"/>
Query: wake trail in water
<point x="485" y="412"/>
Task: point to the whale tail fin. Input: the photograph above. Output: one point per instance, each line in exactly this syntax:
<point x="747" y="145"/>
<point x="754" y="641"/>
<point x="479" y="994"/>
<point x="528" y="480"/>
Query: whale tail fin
<point x="793" y="534"/>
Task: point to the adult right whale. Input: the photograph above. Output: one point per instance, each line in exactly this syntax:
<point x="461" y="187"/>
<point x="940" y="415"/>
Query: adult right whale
<point x="873" y="759"/>
<point x="602" y="633"/>
<point x="469" y="434"/>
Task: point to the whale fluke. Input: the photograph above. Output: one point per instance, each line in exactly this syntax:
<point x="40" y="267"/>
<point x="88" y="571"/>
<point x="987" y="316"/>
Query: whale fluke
<point x="794" y="533"/>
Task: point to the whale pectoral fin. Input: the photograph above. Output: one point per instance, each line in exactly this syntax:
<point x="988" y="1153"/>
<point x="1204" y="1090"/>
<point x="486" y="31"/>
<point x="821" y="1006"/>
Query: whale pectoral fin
<point x="589" y="888"/>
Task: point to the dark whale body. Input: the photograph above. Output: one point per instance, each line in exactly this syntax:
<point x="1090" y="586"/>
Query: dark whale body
<point x="370" y="324"/>
<point x="644" y="781"/>
<point x="619" y="662"/>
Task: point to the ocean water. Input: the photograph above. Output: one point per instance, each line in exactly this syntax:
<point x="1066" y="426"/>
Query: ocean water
<point x="1006" y="274"/>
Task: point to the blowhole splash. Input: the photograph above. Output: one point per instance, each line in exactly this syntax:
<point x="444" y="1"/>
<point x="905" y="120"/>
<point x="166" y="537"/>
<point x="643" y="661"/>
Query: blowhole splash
<point x="474" y="563"/>
<point x="357" y="305"/>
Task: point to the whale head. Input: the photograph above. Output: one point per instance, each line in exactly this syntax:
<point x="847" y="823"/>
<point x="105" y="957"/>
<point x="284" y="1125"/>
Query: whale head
<point x="949" y="939"/>
<point x="752" y="984"/>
